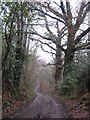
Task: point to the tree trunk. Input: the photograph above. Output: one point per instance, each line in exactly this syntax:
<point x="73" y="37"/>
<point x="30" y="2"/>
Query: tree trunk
<point x="88" y="62"/>
<point x="18" y="58"/>
<point x="58" y="65"/>
<point x="69" y="54"/>
<point x="19" y="50"/>
<point x="58" y="70"/>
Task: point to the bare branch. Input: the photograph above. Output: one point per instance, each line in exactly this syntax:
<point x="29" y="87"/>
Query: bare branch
<point x="79" y="14"/>
<point x="47" y="26"/>
<point x="83" y="46"/>
<point x="44" y="43"/>
<point x="46" y="50"/>
<point x="49" y="39"/>
<point x="56" y="18"/>
<point x="85" y="13"/>
<point x="48" y="64"/>
<point x="57" y="4"/>
<point x="63" y="8"/>
<point x="46" y="38"/>
<point x="82" y="35"/>
<point x="69" y="10"/>
<point x="82" y="14"/>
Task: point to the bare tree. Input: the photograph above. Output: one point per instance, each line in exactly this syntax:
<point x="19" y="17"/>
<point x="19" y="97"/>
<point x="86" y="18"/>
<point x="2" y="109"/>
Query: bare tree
<point x="68" y="25"/>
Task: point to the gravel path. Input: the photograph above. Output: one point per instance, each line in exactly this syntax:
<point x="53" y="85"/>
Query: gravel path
<point x="44" y="106"/>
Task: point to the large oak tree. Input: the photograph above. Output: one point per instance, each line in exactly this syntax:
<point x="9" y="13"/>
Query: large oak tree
<point x="70" y="35"/>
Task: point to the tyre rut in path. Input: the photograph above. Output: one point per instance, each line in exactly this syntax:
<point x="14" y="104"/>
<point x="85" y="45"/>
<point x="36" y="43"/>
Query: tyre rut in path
<point x="44" y="106"/>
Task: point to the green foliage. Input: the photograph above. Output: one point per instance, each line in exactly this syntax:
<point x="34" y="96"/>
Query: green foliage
<point x="12" y="65"/>
<point x="82" y="80"/>
<point x="76" y="82"/>
<point x="15" y="53"/>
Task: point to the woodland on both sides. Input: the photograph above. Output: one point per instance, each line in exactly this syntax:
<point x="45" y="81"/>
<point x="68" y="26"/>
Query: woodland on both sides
<point x="27" y="28"/>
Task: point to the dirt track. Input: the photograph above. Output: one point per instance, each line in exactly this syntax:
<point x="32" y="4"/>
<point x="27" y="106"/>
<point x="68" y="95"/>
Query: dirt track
<point x="44" y="106"/>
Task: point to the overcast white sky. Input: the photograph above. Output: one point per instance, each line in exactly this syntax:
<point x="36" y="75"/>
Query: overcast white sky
<point x="43" y="55"/>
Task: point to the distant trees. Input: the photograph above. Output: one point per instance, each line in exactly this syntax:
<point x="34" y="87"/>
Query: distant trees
<point x="45" y="77"/>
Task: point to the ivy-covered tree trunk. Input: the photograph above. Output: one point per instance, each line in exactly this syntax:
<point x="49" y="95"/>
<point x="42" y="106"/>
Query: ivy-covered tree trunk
<point x="8" y="39"/>
<point x="88" y="62"/>
<point x="58" y="71"/>
<point x="19" y="50"/>
<point x="69" y="55"/>
<point x="17" y="72"/>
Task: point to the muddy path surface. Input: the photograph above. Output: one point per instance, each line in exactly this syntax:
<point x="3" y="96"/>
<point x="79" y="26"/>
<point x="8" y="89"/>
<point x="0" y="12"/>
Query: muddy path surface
<point x="44" y="106"/>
